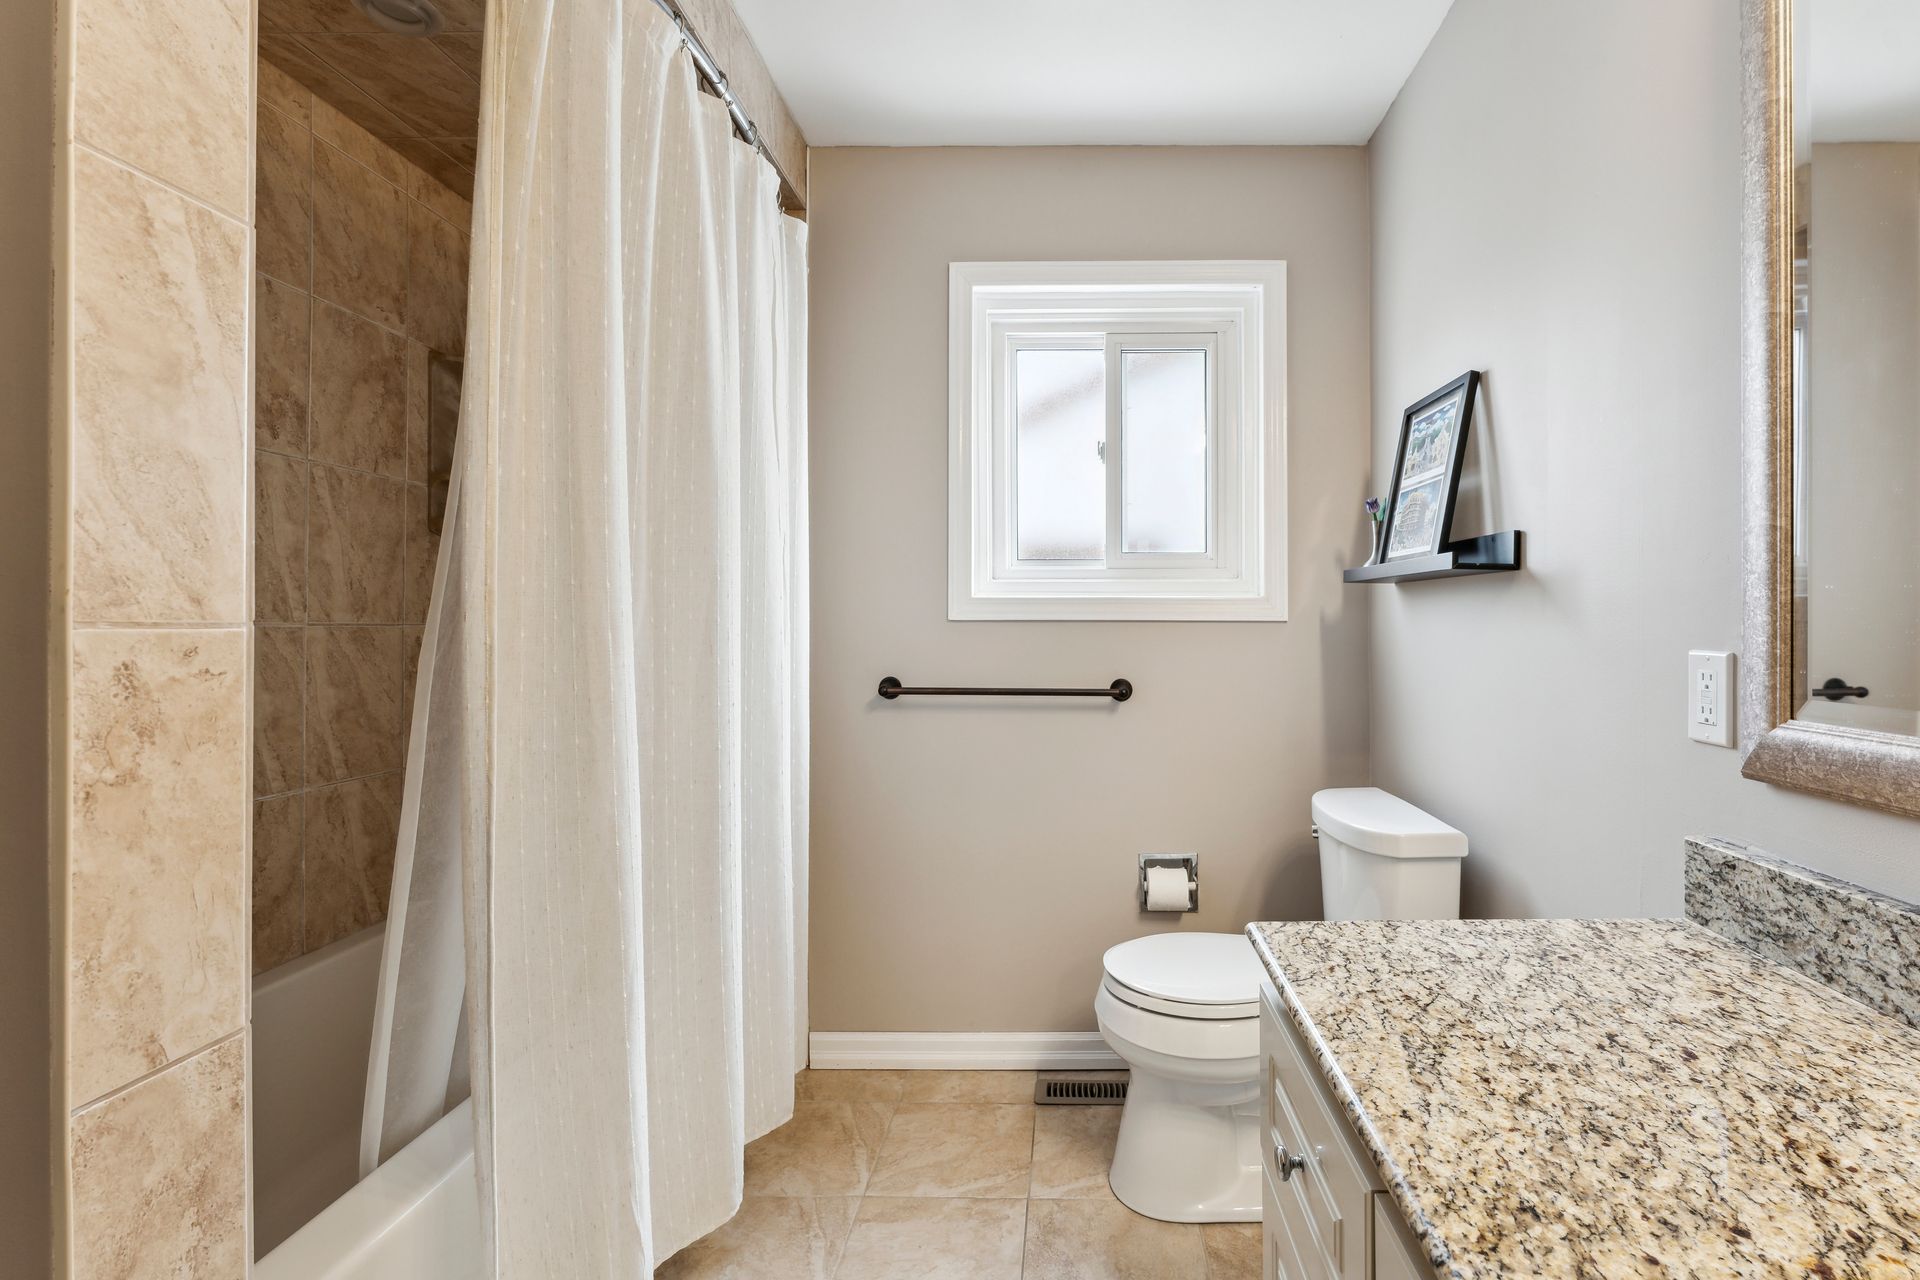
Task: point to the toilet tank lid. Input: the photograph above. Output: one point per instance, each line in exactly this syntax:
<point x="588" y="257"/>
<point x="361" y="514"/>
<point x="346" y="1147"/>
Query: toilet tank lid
<point x="1373" y="821"/>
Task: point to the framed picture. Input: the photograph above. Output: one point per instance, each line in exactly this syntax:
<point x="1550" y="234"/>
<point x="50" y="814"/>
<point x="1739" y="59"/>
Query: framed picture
<point x="1426" y="469"/>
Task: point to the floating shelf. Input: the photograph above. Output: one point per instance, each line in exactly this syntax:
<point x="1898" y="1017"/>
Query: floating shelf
<point x="1488" y="553"/>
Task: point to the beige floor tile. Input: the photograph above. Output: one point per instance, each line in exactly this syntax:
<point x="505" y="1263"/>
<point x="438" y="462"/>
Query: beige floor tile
<point x="921" y="1239"/>
<point x="1233" y="1250"/>
<point x="969" y="1086"/>
<point x="956" y="1150"/>
<point x="850" y="1086"/>
<point x="1072" y="1152"/>
<point x="1105" y="1240"/>
<point x="827" y="1149"/>
<point x="793" y="1238"/>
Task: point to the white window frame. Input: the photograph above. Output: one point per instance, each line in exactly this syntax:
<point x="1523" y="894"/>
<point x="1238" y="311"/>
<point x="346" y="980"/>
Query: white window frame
<point x="1236" y="311"/>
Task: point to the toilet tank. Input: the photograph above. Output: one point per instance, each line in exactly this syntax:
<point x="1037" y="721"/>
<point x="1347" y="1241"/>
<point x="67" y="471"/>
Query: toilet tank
<point x="1383" y="859"/>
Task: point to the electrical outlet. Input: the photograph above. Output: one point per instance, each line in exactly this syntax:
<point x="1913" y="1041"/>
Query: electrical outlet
<point x="1710" y="697"/>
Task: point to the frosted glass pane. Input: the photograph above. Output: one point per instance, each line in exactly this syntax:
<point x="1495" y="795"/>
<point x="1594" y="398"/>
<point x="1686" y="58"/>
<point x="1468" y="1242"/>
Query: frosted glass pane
<point x="1163" y="417"/>
<point x="1059" y="429"/>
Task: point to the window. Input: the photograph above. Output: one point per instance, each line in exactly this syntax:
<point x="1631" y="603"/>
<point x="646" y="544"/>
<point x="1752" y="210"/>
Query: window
<point x="1117" y="440"/>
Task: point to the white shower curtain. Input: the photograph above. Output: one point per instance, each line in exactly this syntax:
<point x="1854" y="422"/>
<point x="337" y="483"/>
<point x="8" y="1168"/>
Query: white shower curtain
<point x="610" y="733"/>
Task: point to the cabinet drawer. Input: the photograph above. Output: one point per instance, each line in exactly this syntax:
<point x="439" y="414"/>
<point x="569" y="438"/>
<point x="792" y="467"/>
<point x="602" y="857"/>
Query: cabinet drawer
<point x="1292" y="1250"/>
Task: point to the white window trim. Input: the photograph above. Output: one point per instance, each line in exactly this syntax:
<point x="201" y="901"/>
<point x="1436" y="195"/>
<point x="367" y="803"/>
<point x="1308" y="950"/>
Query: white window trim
<point x="1242" y="307"/>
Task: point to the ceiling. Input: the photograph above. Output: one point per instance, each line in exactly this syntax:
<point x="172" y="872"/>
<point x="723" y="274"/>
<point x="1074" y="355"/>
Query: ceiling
<point x="1863" y="59"/>
<point x="420" y="94"/>
<point x="1051" y="72"/>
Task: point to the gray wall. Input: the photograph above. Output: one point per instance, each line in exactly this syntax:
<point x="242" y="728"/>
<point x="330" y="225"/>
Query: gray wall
<point x="972" y="861"/>
<point x="1556" y="201"/>
<point x="26" y="255"/>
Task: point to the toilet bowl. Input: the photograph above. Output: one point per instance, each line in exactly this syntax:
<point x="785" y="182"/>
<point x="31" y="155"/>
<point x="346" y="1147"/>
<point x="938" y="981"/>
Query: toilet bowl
<point x="1183" y="1010"/>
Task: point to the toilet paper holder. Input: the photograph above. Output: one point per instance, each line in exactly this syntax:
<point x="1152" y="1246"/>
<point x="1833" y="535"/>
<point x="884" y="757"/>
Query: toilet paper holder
<point x="1188" y="862"/>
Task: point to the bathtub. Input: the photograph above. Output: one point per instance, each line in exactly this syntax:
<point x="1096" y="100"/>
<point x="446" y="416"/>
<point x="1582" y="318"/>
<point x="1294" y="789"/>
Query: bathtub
<point x="417" y="1216"/>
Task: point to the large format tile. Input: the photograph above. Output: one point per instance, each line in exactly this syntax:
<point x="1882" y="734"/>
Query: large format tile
<point x="827" y="1149"/>
<point x="283" y="199"/>
<point x="1105" y="1240"/>
<point x="337" y="129"/>
<point x="354" y="675"/>
<point x="285" y="94"/>
<point x="969" y="1086"/>
<point x="350" y="831"/>
<point x="436" y="281"/>
<point x="464" y="48"/>
<point x="159" y="287"/>
<point x="1072" y="1152"/>
<point x="792" y="1238"/>
<point x="956" y="1149"/>
<point x="160" y="1174"/>
<point x="279" y="704"/>
<point x="1234" y="1250"/>
<point x="408" y="76"/>
<point x="158" y="851"/>
<point x="437" y="179"/>
<point x="355" y="546"/>
<point x="291" y="56"/>
<point x="359" y="393"/>
<point x="423" y="546"/>
<point x="281" y="490"/>
<point x="277" y="932"/>
<point x="417" y="411"/>
<point x="850" y="1086"/>
<point x="281" y="338"/>
<point x="158" y="83"/>
<point x="359" y="238"/>
<point x="922" y="1239"/>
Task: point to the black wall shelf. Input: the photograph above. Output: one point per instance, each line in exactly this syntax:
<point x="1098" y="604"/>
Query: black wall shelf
<point x="1488" y="553"/>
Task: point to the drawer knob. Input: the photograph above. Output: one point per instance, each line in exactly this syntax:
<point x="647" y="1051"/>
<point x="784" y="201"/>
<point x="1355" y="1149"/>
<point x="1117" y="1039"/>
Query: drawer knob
<point x="1286" y="1162"/>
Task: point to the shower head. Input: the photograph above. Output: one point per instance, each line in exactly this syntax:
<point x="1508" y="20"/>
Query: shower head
<point x="404" y="17"/>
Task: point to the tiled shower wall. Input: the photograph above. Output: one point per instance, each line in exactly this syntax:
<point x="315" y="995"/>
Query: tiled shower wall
<point x="360" y="272"/>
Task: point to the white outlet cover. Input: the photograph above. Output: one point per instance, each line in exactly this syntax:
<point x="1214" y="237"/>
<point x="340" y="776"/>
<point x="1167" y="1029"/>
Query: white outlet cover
<point x="1710" y="697"/>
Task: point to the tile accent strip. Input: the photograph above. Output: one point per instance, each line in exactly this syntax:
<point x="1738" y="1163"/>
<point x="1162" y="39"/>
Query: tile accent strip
<point x="1862" y="943"/>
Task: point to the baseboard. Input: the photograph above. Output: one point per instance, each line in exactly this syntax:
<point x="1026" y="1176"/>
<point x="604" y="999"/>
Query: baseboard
<point x="960" y="1051"/>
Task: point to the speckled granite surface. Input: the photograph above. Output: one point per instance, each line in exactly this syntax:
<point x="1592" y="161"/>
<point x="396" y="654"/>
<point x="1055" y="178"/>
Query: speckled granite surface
<point x="1612" y="1098"/>
<point x="1864" y="943"/>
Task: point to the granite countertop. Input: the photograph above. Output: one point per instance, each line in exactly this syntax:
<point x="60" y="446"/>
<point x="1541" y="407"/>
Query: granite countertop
<point x="1612" y="1098"/>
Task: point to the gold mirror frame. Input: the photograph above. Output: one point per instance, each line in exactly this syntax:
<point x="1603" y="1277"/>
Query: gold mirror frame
<point x="1857" y="765"/>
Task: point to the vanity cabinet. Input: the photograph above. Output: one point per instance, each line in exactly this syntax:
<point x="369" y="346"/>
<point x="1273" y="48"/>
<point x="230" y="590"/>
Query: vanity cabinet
<point x="1327" y="1215"/>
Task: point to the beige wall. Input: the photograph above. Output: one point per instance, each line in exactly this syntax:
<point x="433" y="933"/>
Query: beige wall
<point x="1560" y="186"/>
<point x="154" y="196"/>
<point x="971" y="861"/>
<point x="27" y="1095"/>
<point x="361" y="271"/>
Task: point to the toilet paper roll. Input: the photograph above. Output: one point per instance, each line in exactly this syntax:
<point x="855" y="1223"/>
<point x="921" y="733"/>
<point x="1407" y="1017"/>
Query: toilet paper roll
<point x="1167" y="889"/>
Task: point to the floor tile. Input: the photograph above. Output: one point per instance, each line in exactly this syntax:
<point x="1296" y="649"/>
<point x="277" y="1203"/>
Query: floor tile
<point x="1233" y="1250"/>
<point x="1105" y="1240"/>
<point x="851" y="1086"/>
<point x="956" y="1149"/>
<point x="1072" y="1152"/>
<point x="793" y="1238"/>
<point x="969" y="1086"/>
<point x="922" y="1239"/>
<point x="827" y="1149"/>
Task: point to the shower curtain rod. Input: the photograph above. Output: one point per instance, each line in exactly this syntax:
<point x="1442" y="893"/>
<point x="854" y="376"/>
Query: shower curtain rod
<point x="717" y="80"/>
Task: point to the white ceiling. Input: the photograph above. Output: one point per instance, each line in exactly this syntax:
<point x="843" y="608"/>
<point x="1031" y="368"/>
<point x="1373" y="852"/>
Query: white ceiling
<point x="1864" y="69"/>
<point x="1040" y="72"/>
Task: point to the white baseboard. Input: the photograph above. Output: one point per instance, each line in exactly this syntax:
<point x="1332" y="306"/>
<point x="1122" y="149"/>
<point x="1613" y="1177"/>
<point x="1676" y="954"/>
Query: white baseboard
<point x="960" y="1051"/>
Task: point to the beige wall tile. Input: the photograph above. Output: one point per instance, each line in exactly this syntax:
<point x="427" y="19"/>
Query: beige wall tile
<point x="436" y="281"/>
<point x="160" y="288"/>
<point x="314" y="15"/>
<point x="298" y="61"/>
<point x="464" y="48"/>
<point x="464" y="15"/>
<point x="359" y="238"/>
<point x="160" y="1174"/>
<point x="416" y="410"/>
<point x="158" y="850"/>
<point x="439" y="181"/>
<point x="423" y="546"/>
<point x="336" y="129"/>
<point x="359" y="393"/>
<point x="279" y="699"/>
<point x="280" y="538"/>
<point x="281" y="341"/>
<point x="163" y="84"/>
<point x="354" y="679"/>
<point x="283" y="93"/>
<point x="277" y="933"/>
<point x="283" y="210"/>
<point x="355" y="547"/>
<point x="465" y="152"/>
<point x="413" y="638"/>
<point x="408" y="76"/>
<point x="350" y="831"/>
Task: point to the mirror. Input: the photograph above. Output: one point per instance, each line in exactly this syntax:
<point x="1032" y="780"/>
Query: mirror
<point x="1856" y="363"/>
<point x="1830" y="419"/>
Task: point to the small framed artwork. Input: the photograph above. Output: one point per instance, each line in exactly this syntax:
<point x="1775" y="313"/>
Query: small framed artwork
<point x="1426" y="469"/>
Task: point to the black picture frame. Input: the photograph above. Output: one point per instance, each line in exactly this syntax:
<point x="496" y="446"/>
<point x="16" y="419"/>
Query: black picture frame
<point x="1424" y="499"/>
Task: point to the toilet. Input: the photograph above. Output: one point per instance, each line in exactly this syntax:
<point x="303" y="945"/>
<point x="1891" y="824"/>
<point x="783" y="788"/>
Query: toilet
<point x="1183" y="1011"/>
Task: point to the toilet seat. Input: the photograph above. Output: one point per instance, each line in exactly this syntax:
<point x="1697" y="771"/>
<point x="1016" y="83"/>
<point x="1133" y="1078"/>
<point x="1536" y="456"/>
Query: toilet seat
<point x="1210" y="976"/>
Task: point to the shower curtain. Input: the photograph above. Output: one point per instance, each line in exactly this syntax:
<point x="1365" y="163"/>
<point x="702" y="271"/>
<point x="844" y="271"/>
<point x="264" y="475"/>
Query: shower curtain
<point x="604" y="826"/>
